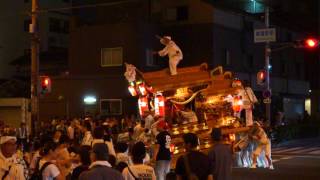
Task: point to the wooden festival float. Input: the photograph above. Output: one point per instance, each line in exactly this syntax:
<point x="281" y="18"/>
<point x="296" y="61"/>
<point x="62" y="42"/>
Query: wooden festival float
<point x="213" y="95"/>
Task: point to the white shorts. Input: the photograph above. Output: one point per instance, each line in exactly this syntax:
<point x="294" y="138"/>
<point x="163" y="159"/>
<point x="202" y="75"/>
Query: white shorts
<point x="263" y="147"/>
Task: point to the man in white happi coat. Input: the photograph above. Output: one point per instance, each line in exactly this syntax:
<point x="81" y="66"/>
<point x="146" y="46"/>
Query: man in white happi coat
<point x="173" y="51"/>
<point x="259" y="136"/>
<point x="249" y="99"/>
<point x="10" y="169"/>
<point x="130" y="73"/>
<point x="188" y="115"/>
<point x="23" y="135"/>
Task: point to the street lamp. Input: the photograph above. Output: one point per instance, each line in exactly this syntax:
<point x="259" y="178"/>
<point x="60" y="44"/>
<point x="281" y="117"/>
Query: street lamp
<point x="89" y="100"/>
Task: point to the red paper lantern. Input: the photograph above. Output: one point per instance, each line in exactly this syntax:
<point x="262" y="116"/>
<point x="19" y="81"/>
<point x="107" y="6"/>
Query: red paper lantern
<point x="159" y="105"/>
<point x="236" y="83"/>
<point x="237" y="103"/>
<point x="172" y="146"/>
<point x="142" y="89"/>
<point x="132" y="90"/>
<point x="143" y="105"/>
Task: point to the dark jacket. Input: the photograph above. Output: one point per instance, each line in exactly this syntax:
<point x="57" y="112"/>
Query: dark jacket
<point x="99" y="172"/>
<point x="77" y="171"/>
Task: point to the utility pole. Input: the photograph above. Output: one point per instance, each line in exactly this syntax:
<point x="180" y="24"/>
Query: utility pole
<point x="35" y="44"/>
<point x="267" y="62"/>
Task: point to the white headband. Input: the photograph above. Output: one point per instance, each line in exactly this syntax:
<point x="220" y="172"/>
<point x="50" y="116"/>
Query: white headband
<point x="167" y="37"/>
<point x="4" y="139"/>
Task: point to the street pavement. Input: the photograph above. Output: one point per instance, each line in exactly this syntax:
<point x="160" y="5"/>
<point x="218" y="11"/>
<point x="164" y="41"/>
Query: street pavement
<point x="295" y="160"/>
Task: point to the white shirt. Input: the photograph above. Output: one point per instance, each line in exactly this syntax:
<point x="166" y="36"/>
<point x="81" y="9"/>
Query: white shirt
<point x="23" y="132"/>
<point x="139" y="171"/>
<point x="70" y="132"/>
<point x="149" y="121"/>
<point x="108" y="143"/>
<point x="87" y="139"/>
<point x="100" y="163"/>
<point x="123" y="157"/>
<point x="144" y="137"/>
<point x="123" y="137"/>
<point x="248" y="97"/>
<point x="171" y="49"/>
<point x="137" y="131"/>
<point x="16" y="171"/>
<point x="262" y="136"/>
<point x="50" y="172"/>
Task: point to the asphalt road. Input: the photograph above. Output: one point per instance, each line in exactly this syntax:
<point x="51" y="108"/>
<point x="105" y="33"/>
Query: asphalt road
<point x="296" y="160"/>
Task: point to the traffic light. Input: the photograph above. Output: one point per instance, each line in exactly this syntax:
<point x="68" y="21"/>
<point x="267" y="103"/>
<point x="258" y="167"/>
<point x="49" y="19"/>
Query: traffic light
<point x="309" y="43"/>
<point x="45" y="84"/>
<point x="261" y="77"/>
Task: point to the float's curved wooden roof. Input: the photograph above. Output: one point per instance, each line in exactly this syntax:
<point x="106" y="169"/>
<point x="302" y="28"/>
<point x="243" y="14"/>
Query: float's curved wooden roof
<point x="186" y="77"/>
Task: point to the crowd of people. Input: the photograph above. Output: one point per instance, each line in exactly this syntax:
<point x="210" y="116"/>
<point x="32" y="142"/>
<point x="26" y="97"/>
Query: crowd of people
<point x="113" y="149"/>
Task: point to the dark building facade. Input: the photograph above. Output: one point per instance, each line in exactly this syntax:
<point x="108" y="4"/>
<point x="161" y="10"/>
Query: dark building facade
<point x="97" y="53"/>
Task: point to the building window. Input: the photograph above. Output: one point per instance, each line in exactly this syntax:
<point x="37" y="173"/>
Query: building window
<point x="226" y="57"/>
<point x="180" y="13"/>
<point x="171" y="14"/>
<point x="52" y="42"/>
<point x="111" y="106"/>
<point x="111" y="57"/>
<point x="26" y="25"/>
<point x="65" y="27"/>
<point x="54" y="25"/>
<point x="58" y="25"/>
<point x="156" y="6"/>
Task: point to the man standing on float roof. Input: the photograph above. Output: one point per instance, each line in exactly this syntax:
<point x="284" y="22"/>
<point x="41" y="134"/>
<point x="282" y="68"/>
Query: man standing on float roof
<point x="173" y="51"/>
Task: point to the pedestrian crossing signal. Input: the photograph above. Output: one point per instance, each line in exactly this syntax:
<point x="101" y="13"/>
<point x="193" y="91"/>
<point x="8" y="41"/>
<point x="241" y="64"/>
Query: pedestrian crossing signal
<point x="45" y="84"/>
<point x="261" y="77"/>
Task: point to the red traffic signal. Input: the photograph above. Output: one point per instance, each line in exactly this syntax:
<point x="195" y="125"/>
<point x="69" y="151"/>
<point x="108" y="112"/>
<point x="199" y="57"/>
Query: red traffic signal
<point x="45" y="84"/>
<point x="311" y="43"/>
<point x="261" y="77"/>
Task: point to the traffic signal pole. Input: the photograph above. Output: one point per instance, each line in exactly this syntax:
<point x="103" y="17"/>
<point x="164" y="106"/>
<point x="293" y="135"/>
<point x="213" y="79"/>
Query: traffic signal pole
<point x="35" y="44"/>
<point x="267" y="62"/>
